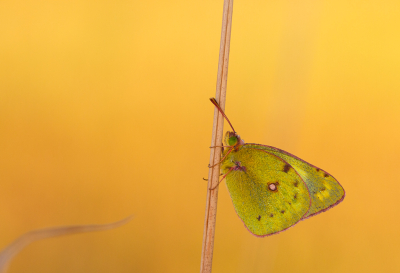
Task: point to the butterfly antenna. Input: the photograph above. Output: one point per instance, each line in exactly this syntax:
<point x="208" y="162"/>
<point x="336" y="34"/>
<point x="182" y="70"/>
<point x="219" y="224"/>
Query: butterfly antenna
<point x="222" y="112"/>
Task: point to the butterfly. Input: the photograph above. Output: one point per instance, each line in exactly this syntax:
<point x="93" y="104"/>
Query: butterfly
<point x="271" y="189"/>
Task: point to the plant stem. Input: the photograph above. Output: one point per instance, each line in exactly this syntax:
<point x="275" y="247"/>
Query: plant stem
<point x="217" y="134"/>
<point x="15" y="247"/>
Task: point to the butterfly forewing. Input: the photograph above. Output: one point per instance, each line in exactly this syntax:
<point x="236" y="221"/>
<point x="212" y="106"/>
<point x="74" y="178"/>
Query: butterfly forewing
<point x="325" y="190"/>
<point x="267" y="193"/>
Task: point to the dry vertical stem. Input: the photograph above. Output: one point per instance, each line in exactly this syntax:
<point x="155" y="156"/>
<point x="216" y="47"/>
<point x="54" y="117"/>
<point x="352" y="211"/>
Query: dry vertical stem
<point x="215" y="155"/>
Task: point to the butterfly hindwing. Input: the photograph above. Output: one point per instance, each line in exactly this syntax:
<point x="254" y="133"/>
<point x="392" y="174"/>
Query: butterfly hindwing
<point x="325" y="190"/>
<point x="264" y="208"/>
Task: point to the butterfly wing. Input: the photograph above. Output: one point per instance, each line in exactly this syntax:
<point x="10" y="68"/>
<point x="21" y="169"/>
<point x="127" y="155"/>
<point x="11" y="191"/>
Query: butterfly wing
<point x="265" y="209"/>
<point x="325" y="191"/>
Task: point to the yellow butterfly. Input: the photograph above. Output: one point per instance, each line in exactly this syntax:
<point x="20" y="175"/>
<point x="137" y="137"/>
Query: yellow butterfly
<point x="271" y="189"/>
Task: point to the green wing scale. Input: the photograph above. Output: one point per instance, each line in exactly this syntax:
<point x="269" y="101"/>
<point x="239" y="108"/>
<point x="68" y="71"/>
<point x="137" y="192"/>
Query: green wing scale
<point x="268" y="194"/>
<point x="272" y="190"/>
<point x="325" y="191"/>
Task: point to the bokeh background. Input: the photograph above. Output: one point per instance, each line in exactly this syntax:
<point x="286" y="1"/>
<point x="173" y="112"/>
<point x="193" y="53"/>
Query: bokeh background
<point x="104" y="113"/>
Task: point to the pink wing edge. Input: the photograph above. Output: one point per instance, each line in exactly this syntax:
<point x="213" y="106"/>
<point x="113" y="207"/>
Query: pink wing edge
<point x="266" y="235"/>
<point x="289" y="154"/>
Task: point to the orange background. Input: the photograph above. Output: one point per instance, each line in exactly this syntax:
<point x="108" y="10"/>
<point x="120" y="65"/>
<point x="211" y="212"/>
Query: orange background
<point x="104" y="112"/>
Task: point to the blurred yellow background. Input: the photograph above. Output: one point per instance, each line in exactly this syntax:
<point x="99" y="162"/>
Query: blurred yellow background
<point x="104" y="112"/>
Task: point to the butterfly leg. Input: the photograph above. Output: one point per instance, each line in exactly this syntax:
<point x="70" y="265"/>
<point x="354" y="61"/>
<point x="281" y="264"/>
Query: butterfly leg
<point x="207" y="179"/>
<point x="222" y="158"/>
<point x="231" y="169"/>
<point x="222" y="146"/>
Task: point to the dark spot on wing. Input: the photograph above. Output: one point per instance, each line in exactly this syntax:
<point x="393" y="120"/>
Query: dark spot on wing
<point x="323" y="189"/>
<point x="317" y="170"/>
<point x="282" y="211"/>
<point x="271" y="215"/>
<point x="239" y="167"/>
<point x="296" y="184"/>
<point x="295" y="196"/>
<point x="326" y="175"/>
<point x="259" y="217"/>
<point x="286" y="168"/>
<point x="273" y="186"/>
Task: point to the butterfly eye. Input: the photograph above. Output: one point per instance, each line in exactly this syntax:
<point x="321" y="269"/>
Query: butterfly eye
<point x="232" y="141"/>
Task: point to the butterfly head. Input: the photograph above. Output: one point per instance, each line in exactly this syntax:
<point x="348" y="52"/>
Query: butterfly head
<point x="233" y="139"/>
